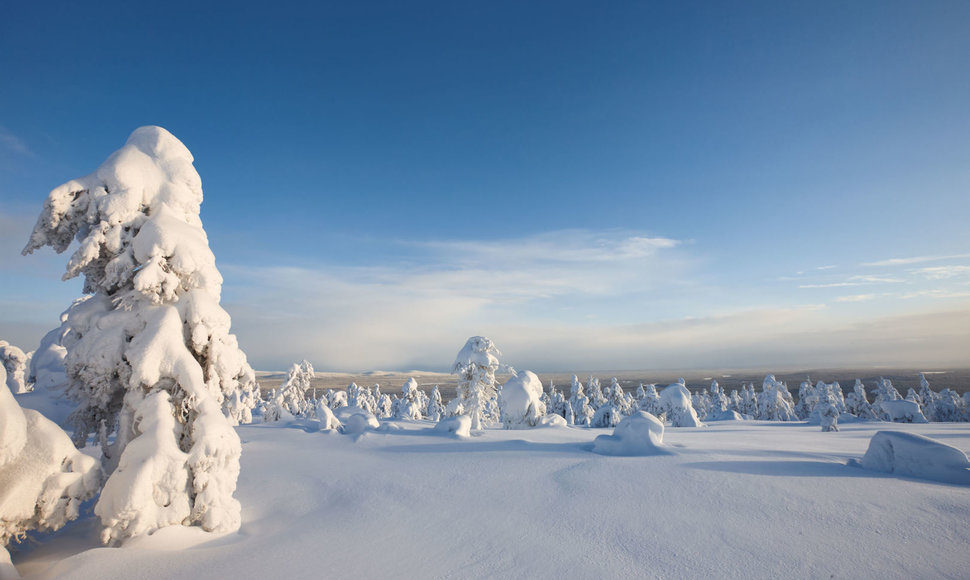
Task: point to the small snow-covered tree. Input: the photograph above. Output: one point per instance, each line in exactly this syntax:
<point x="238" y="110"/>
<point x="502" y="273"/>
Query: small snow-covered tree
<point x="885" y="391"/>
<point x="828" y="416"/>
<point x="14" y="362"/>
<point x="775" y="402"/>
<point x="749" y="401"/>
<point x="675" y="404"/>
<point x="719" y="401"/>
<point x="702" y="404"/>
<point x="152" y="336"/>
<point x="857" y="402"/>
<point x="521" y="401"/>
<point x="435" y="409"/>
<point x="807" y="399"/>
<point x="475" y="366"/>
<point x="43" y="477"/>
<point x="595" y="394"/>
<point x="949" y="406"/>
<point x="410" y="406"/>
<point x="294" y="389"/>
<point x="650" y="401"/>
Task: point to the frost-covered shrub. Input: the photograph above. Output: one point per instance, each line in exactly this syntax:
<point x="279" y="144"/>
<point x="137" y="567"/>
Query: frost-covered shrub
<point x="521" y="401"/>
<point x="360" y="397"/>
<point x="475" y="366"/>
<point x="153" y="326"/>
<point x="675" y="404"/>
<point x="14" y="362"/>
<point x="43" y="477"/>
<point x="650" y="400"/>
<point x="637" y="435"/>
<point x="558" y="405"/>
<point x="828" y="416"/>
<point x="701" y="401"/>
<point x="775" y="402"/>
<point x="325" y="416"/>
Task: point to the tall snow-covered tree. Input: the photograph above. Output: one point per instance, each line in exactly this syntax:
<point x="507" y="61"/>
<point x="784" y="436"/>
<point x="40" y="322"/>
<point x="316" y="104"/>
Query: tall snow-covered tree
<point x="152" y="340"/>
<point x="475" y="366"/>
<point x="857" y="402"/>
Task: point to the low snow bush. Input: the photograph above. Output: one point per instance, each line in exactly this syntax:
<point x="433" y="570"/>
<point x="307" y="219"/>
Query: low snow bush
<point x="460" y="425"/>
<point x="901" y="411"/>
<point x="639" y="434"/>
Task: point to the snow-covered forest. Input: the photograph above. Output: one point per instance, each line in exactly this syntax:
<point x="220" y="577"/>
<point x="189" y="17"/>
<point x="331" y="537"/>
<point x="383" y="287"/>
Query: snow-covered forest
<point x="138" y="424"/>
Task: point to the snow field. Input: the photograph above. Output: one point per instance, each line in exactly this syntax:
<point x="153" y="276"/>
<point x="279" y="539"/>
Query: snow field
<point x="736" y="500"/>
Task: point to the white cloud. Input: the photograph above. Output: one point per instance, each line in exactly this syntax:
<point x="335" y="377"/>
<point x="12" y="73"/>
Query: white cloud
<point x="936" y="293"/>
<point x="914" y="260"/>
<point x="942" y="272"/>
<point x="861" y="280"/>
<point x="856" y="298"/>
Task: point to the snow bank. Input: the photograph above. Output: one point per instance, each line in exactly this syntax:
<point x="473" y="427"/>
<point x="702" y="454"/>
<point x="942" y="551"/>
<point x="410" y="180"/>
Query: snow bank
<point x="639" y="434"/>
<point x="916" y="456"/>
<point x="521" y="401"/>
<point x="901" y="411"/>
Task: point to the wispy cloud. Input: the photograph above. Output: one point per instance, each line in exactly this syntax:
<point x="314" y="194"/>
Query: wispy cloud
<point x="13" y="144"/>
<point x="936" y="293"/>
<point x="942" y="272"/>
<point x="861" y="280"/>
<point x="856" y="298"/>
<point x="830" y="267"/>
<point x="914" y="260"/>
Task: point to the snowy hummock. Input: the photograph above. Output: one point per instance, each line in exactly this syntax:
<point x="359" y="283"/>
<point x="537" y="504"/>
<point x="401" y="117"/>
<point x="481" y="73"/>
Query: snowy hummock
<point x="43" y="477"/>
<point x="901" y="411"/>
<point x="916" y="456"/>
<point x="639" y="434"/>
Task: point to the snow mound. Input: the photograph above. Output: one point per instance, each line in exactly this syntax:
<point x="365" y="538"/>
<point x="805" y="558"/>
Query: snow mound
<point x="43" y="477"/>
<point x="460" y="425"/>
<point x="901" y="411"/>
<point x="637" y="435"/>
<point x="553" y="421"/>
<point x="916" y="456"/>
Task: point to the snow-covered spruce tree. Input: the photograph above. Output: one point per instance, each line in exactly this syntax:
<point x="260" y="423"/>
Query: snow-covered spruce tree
<point x="14" y="362"/>
<point x="410" y="406"/>
<point x="719" y="401"/>
<point x="436" y="409"/>
<point x="43" y="477"/>
<point x="749" y="401"/>
<point x="475" y="366"/>
<point x="702" y="404"/>
<point x="582" y="411"/>
<point x="675" y="405"/>
<point x="775" y="402"/>
<point x="294" y="389"/>
<point x="885" y="391"/>
<point x="152" y="342"/>
<point x="650" y="401"/>
<point x="807" y="399"/>
<point x="857" y="402"/>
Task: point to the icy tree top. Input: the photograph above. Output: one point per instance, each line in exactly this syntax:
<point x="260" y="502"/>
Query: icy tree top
<point x="478" y="351"/>
<point x="136" y="219"/>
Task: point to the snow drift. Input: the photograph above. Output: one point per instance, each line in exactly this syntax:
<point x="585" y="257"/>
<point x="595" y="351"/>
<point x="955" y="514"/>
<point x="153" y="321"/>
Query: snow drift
<point x="916" y="456"/>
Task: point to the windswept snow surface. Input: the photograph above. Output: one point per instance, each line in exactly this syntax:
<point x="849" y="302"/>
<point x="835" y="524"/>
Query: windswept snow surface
<point x="743" y="499"/>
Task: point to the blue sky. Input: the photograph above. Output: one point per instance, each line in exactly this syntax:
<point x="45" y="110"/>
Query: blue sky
<point x="592" y="185"/>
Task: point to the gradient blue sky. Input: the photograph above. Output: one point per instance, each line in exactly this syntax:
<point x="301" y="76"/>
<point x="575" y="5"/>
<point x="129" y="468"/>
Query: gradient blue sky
<point x="591" y="184"/>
